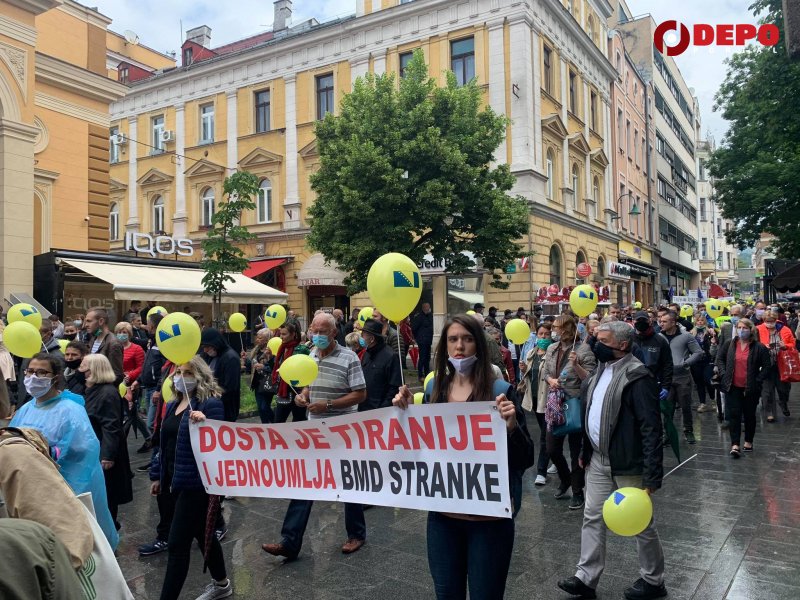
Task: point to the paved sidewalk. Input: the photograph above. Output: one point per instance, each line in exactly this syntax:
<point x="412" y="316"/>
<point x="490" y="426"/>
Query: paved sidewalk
<point x="730" y="529"/>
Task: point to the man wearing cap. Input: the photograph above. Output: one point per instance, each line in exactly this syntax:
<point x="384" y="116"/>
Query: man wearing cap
<point x="478" y="308"/>
<point x="656" y="353"/>
<point x="381" y="368"/>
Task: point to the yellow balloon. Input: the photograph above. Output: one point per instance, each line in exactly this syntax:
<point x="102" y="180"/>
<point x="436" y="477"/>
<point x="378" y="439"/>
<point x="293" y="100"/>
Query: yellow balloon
<point x="167" y="394"/>
<point x="178" y="337"/>
<point x="518" y="331"/>
<point x="721" y="320"/>
<point x="687" y="310"/>
<point x="364" y="314"/>
<point x="27" y="313"/>
<point x="299" y="370"/>
<point x="22" y="339"/>
<point x="628" y="511"/>
<point x="470" y="312"/>
<point x="714" y="309"/>
<point x="274" y="344"/>
<point x="394" y="285"/>
<point x="63" y="345"/>
<point x="637" y="305"/>
<point x="157" y="309"/>
<point x="724" y="303"/>
<point x="123" y="389"/>
<point x="237" y="322"/>
<point x="583" y="300"/>
<point x="428" y="377"/>
<point x="418" y="397"/>
<point x="275" y="316"/>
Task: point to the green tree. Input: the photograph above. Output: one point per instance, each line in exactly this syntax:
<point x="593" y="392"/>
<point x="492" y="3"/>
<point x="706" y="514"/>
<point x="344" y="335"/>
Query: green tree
<point x="757" y="168"/>
<point x="409" y="170"/>
<point x="223" y="246"/>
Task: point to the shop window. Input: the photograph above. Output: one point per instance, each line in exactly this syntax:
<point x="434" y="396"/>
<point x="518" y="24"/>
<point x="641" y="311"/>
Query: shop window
<point x="206" y="207"/>
<point x="158" y="215"/>
<point x="113" y="222"/>
<point x="264" y="208"/>
<point x="462" y="60"/>
<point x="556" y="266"/>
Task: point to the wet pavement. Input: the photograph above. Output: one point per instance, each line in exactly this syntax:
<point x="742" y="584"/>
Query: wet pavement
<point x="730" y="529"/>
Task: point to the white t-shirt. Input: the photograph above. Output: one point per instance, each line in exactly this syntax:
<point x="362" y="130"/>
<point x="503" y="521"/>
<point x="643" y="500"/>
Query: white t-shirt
<point x="598" y="400"/>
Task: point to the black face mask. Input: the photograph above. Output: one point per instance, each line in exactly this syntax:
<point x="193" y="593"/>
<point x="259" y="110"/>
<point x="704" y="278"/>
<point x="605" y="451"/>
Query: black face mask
<point x="641" y="325"/>
<point x="70" y="336"/>
<point x="603" y="353"/>
<point x="73" y="364"/>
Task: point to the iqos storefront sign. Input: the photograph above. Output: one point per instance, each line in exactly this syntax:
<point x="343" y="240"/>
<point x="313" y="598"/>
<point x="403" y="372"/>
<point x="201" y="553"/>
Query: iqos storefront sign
<point x="158" y="244"/>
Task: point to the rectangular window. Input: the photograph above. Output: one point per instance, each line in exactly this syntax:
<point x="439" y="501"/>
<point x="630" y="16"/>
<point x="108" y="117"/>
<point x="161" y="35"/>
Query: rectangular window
<point x="159" y="144"/>
<point x="628" y="138"/>
<point x="662" y="188"/>
<point x="548" y="70"/>
<point x="719" y="259"/>
<point x="123" y="75"/>
<point x="730" y="260"/>
<point x="593" y="108"/>
<point x="701" y="176"/>
<point x="113" y="147"/>
<point x="620" y="123"/>
<point x="187" y="56"/>
<point x="573" y="93"/>
<point x="636" y="146"/>
<point x="207" y="123"/>
<point x="264" y="205"/>
<point x="719" y="226"/>
<point x="704" y="248"/>
<point x="324" y="95"/>
<point x="702" y="209"/>
<point x="405" y="58"/>
<point x="462" y="60"/>
<point x="262" y="102"/>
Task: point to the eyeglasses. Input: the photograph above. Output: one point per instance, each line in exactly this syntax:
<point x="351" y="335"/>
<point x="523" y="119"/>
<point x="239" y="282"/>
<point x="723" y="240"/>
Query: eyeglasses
<point x="38" y="372"/>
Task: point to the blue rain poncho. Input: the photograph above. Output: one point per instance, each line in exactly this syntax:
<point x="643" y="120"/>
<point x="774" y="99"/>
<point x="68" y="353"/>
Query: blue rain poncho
<point x="65" y="424"/>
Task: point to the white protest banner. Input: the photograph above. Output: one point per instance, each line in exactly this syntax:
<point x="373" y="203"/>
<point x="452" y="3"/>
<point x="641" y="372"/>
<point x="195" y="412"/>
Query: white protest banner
<point x="440" y="457"/>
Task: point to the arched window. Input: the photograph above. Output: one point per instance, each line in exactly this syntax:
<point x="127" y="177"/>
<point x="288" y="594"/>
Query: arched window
<point x="113" y="222"/>
<point x="206" y="207"/>
<point x="556" y="266"/>
<point x="550" y="174"/>
<point x="601" y="267"/>
<point x="264" y="208"/>
<point x="158" y="214"/>
<point x="576" y="182"/>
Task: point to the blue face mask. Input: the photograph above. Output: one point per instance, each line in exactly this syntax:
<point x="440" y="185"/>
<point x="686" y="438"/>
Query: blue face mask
<point x="734" y="320"/>
<point x="321" y="341"/>
<point x="362" y="343"/>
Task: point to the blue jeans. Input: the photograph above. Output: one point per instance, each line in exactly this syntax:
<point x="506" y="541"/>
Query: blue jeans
<point x="264" y="404"/>
<point x="474" y="552"/>
<point x="296" y="521"/>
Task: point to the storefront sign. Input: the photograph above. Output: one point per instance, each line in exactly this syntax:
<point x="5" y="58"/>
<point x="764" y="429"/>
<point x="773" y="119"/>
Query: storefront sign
<point x="433" y="266"/>
<point x="158" y="244"/>
<point x="583" y="270"/>
<point x="441" y="457"/>
<point x="629" y="250"/>
<point x="618" y="270"/>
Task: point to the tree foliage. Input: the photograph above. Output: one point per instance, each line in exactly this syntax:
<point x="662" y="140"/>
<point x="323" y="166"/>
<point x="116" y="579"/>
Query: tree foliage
<point x="757" y="168"/>
<point x="226" y="237"/>
<point x="397" y="162"/>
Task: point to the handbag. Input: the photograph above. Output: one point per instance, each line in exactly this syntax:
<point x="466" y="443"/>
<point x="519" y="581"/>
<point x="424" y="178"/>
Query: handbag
<point x="553" y="410"/>
<point x="573" y="417"/>
<point x="789" y="365"/>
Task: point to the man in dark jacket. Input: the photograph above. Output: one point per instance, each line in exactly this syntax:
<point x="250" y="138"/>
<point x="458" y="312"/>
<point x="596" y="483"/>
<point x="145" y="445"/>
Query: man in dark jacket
<point x="104" y="341"/>
<point x="656" y="352"/>
<point x="422" y="328"/>
<point x="381" y="368"/>
<point x="227" y="368"/>
<point x="621" y="448"/>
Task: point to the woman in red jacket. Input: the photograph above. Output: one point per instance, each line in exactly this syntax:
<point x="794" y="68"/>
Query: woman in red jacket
<point x="132" y="363"/>
<point x="775" y="337"/>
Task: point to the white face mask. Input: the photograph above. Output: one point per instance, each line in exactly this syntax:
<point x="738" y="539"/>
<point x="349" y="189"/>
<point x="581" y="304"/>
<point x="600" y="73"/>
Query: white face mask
<point x="463" y="365"/>
<point x="185" y="384"/>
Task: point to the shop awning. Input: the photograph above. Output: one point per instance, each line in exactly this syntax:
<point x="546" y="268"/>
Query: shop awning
<point x="173" y="284"/>
<point x="260" y="267"/>
<point x="471" y="298"/>
<point x="788" y="280"/>
<point x="315" y="272"/>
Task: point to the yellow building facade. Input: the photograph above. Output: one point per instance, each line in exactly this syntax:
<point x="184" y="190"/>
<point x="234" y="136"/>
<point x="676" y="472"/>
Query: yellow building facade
<point x="543" y="65"/>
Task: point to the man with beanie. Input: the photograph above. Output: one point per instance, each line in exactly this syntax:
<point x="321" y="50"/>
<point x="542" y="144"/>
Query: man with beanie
<point x="381" y="368"/>
<point x="655" y="351"/>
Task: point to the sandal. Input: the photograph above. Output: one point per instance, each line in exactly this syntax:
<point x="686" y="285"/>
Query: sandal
<point x="735" y="453"/>
<point x="748" y="448"/>
<point x="770" y="419"/>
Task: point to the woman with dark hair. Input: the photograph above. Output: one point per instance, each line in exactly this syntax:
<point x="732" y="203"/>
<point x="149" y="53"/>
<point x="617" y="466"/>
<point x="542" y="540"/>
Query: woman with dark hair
<point x="534" y="393"/>
<point x="284" y="398"/>
<point x="466" y="550"/>
<point x="74" y="380"/>
<point x="743" y="364"/>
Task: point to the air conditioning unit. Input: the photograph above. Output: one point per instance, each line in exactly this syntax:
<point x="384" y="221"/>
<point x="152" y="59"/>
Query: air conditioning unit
<point x="119" y="139"/>
<point x="167" y="136"/>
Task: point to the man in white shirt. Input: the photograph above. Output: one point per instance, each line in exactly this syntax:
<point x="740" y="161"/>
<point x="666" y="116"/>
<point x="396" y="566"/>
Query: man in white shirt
<point x="621" y="448"/>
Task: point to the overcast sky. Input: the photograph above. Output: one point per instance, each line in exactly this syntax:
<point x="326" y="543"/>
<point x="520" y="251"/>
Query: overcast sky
<point x="159" y="23"/>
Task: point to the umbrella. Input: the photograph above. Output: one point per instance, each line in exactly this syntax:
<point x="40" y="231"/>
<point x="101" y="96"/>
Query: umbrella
<point x="668" y="409"/>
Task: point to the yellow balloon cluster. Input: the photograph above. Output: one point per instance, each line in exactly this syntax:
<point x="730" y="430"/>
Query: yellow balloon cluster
<point x="583" y="300"/>
<point x="364" y="314"/>
<point x="178" y="337"/>
<point x="687" y="310"/>
<point x="518" y="331"/>
<point x="237" y="322"/>
<point x="299" y="370"/>
<point x="628" y="511"/>
<point x="22" y="339"/>
<point x="275" y="316"/>
<point x="27" y="313"/>
<point x="274" y="344"/>
<point x="157" y="310"/>
<point x="394" y="284"/>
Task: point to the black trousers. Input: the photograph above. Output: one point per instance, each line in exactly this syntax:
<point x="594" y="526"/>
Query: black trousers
<point x="739" y="406"/>
<point x="282" y="412"/>
<point x="572" y="474"/>
<point x="544" y="457"/>
<point x="189" y="524"/>
<point x="166" y="511"/>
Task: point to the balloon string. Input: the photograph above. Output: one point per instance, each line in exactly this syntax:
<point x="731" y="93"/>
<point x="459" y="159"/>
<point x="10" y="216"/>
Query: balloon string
<point x="400" y="357"/>
<point x="575" y="341"/>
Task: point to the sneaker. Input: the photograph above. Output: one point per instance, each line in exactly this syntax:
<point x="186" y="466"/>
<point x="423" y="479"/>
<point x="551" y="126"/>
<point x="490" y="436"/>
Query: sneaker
<point x="576" y="502"/>
<point x="689" y="436"/>
<point x="540" y="480"/>
<point x="641" y="590"/>
<point x="214" y="591"/>
<point x="146" y="447"/>
<point x="221" y="533"/>
<point x="575" y="587"/>
<point x="143" y="468"/>
<point x="561" y="493"/>
<point x="154" y="548"/>
<point x="705" y="408"/>
<point x="552" y="470"/>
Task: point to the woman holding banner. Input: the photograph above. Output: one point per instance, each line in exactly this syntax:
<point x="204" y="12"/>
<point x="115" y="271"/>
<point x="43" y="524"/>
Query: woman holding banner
<point x="467" y="549"/>
<point x="197" y="398"/>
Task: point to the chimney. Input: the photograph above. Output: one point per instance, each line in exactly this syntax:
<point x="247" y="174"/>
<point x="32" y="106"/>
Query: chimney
<point x="283" y="15"/>
<point x="200" y="35"/>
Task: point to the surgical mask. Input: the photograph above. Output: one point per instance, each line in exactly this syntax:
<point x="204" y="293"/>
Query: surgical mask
<point x="122" y="337"/>
<point x="701" y="328"/>
<point x="463" y="365"/>
<point x="543" y="343"/>
<point x="362" y="343"/>
<point x="760" y="312"/>
<point x="185" y="384"/>
<point x="321" y="341"/>
<point x="73" y="364"/>
<point x="734" y="320"/>
<point x="77" y="323"/>
<point x="744" y="334"/>
<point x="603" y="353"/>
<point x="770" y="325"/>
<point x="556" y="337"/>
<point x="581" y="329"/>
<point x="37" y="386"/>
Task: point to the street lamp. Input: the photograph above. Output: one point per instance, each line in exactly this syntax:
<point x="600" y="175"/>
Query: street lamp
<point x="634" y="212"/>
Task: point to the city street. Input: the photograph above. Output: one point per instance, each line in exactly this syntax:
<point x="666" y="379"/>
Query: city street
<point x="729" y="530"/>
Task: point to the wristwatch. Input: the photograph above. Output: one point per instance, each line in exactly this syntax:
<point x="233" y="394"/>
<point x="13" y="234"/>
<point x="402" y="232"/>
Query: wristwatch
<point x="329" y="405"/>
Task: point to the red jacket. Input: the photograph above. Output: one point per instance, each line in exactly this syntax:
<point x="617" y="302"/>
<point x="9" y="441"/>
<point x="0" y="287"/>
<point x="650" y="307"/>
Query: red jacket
<point x="132" y="361"/>
<point x="509" y="364"/>
<point x="784" y="333"/>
